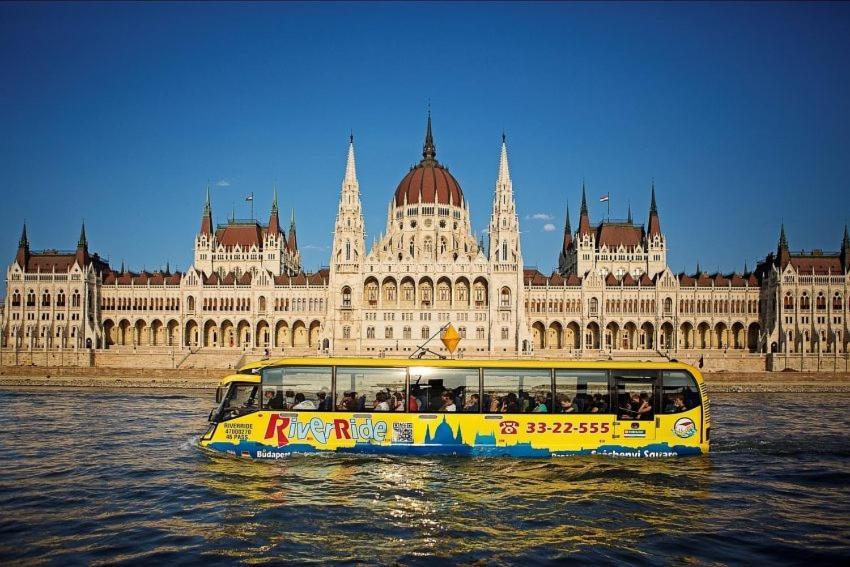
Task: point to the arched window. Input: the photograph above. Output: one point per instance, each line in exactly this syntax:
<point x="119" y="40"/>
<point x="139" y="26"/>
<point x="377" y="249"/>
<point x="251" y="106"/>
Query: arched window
<point x="426" y="333"/>
<point x="370" y="332"/>
<point x="346" y="297"/>
<point x="60" y="299"/>
<point x="346" y="332"/>
<point x="347" y="250"/>
<point x="593" y="305"/>
<point x="504" y="250"/>
<point x="45" y="299"/>
<point x="406" y="333"/>
<point x="191" y="303"/>
<point x="16" y="299"/>
<point x="668" y="306"/>
<point x="31" y="299"/>
<point x="75" y="299"/>
<point x="262" y="303"/>
<point x="462" y="332"/>
<point x="388" y="332"/>
<point x="505" y="333"/>
<point x="479" y="333"/>
<point x="505" y="297"/>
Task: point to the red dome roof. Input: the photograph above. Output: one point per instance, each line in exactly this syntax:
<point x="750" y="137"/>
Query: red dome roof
<point x="429" y="182"/>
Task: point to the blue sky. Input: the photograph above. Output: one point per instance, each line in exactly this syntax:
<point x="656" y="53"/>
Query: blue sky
<point x="119" y="114"/>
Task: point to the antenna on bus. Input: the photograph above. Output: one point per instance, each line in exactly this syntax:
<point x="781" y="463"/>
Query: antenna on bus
<point x="422" y="351"/>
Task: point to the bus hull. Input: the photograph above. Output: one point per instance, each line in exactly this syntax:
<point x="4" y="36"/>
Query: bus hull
<point x="270" y="435"/>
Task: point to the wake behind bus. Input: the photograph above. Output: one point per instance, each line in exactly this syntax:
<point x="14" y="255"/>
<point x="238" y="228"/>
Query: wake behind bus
<point x="519" y="408"/>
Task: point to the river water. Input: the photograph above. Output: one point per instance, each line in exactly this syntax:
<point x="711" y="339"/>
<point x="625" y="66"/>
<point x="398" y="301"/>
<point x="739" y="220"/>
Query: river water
<point x="94" y="477"/>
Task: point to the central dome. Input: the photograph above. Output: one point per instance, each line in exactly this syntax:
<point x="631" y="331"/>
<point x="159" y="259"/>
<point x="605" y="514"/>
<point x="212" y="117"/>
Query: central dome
<point x="429" y="182"/>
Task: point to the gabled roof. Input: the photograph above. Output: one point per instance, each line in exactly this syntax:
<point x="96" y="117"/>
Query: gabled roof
<point x="817" y="264"/>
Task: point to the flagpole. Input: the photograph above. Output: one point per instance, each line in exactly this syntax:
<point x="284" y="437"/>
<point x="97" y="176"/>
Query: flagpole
<point x="252" y="205"/>
<point x="608" y="202"/>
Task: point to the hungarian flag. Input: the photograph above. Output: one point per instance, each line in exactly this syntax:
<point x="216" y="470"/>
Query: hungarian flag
<point x="603" y="198"/>
<point x="250" y="197"/>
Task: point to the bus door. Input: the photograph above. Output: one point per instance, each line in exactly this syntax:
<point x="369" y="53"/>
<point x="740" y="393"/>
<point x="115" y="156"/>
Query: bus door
<point x="635" y="402"/>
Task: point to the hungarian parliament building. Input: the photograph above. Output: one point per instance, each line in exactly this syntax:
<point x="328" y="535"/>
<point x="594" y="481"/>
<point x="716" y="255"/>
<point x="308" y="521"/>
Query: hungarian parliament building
<point x="613" y="293"/>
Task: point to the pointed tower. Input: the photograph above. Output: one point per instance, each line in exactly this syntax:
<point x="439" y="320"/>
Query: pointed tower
<point x="583" y="258"/>
<point x="346" y="262"/>
<point x="654" y="228"/>
<point x="629" y="217"/>
<point x="349" y="232"/>
<point x="429" y="150"/>
<point x="205" y="239"/>
<point x="507" y="291"/>
<point x="292" y="241"/>
<point x="565" y="259"/>
<point x="656" y="243"/>
<point x="82" y="254"/>
<point x="783" y="254"/>
<point x="206" y="218"/>
<point x="274" y="221"/>
<point x="23" y="255"/>
<point x="845" y="251"/>
<point x="584" y="216"/>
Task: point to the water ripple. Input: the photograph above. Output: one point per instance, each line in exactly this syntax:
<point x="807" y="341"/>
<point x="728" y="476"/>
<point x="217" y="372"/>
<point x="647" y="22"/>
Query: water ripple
<point x="103" y="477"/>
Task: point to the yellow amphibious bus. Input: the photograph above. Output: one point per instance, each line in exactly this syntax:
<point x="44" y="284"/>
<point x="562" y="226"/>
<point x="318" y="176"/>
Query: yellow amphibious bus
<point x="271" y="409"/>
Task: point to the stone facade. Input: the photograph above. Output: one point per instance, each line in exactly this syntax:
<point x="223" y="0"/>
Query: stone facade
<point x="613" y="294"/>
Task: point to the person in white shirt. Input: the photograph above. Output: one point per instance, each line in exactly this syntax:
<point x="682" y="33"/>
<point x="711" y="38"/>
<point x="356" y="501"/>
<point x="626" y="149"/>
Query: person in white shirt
<point x="448" y="402"/>
<point x="381" y="403"/>
<point x="303" y="404"/>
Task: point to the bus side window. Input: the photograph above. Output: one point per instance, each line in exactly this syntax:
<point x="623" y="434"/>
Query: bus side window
<point x="370" y="389"/>
<point x="297" y="388"/>
<point x="520" y="390"/>
<point x="582" y="391"/>
<point x="435" y="389"/>
<point x="679" y="392"/>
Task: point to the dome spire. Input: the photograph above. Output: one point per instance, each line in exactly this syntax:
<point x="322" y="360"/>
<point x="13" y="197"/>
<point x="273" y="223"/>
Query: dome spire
<point x="429" y="150"/>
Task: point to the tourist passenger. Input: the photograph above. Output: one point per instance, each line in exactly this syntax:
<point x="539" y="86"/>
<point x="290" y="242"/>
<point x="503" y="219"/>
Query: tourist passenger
<point x="567" y="406"/>
<point x="645" y="409"/>
<point x="448" y="402"/>
<point x="495" y="404"/>
<point x="381" y="403"/>
<point x="510" y="404"/>
<point x="397" y="401"/>
<point x="473" y="405"/>
<point x="349" y="402"/>
<point x="274" y="399"/>
<point x="540" y="404"/>
<point x="324" y="401"/>
<point x="301" y="403"/>
<point x="675" y="404"/>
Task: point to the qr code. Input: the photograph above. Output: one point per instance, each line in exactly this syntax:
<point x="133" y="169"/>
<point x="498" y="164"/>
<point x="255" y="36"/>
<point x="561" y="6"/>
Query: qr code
<point x="402" y="433"/>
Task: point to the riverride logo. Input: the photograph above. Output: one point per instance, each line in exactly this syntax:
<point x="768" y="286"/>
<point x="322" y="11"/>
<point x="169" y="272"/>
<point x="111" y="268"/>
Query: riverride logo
<point x="286" y="428"/>
<point x="685" y="427"/>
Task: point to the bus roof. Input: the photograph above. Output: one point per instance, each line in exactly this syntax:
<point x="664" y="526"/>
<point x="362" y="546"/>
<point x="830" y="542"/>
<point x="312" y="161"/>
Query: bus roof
<point x="461" y="363"/>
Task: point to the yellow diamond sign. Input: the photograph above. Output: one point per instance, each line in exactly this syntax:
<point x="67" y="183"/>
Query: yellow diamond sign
<point x="451" y="338"/>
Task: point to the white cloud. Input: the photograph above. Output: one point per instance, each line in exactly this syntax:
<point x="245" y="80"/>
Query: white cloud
<point x="315" y="247"/>
<point x="549" y="227"/>
<point x="542" y="216"/>
<point x="223" y="183"/>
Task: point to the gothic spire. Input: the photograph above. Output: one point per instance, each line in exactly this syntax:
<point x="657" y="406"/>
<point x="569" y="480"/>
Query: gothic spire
<point x="350" y="166"/>
<point x="584" y="217"/>
<point x="845" y="250"/>
<point x="23" y="249"/>
<point x="654" y="221"/>
<point x="783" y="241"/>
<point x="429" y="150"/>
<point x="274" y="220"/>
<point x="629" y="219"/>
<point x="82" y="254"/>
<point x="504" y="171"/>
<point x="24" y="242"/>
<point x="83" y="242"/>
<point x="568" y="234"/>
<point x="206" y="218"/>
<point x="292" y="243"/>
